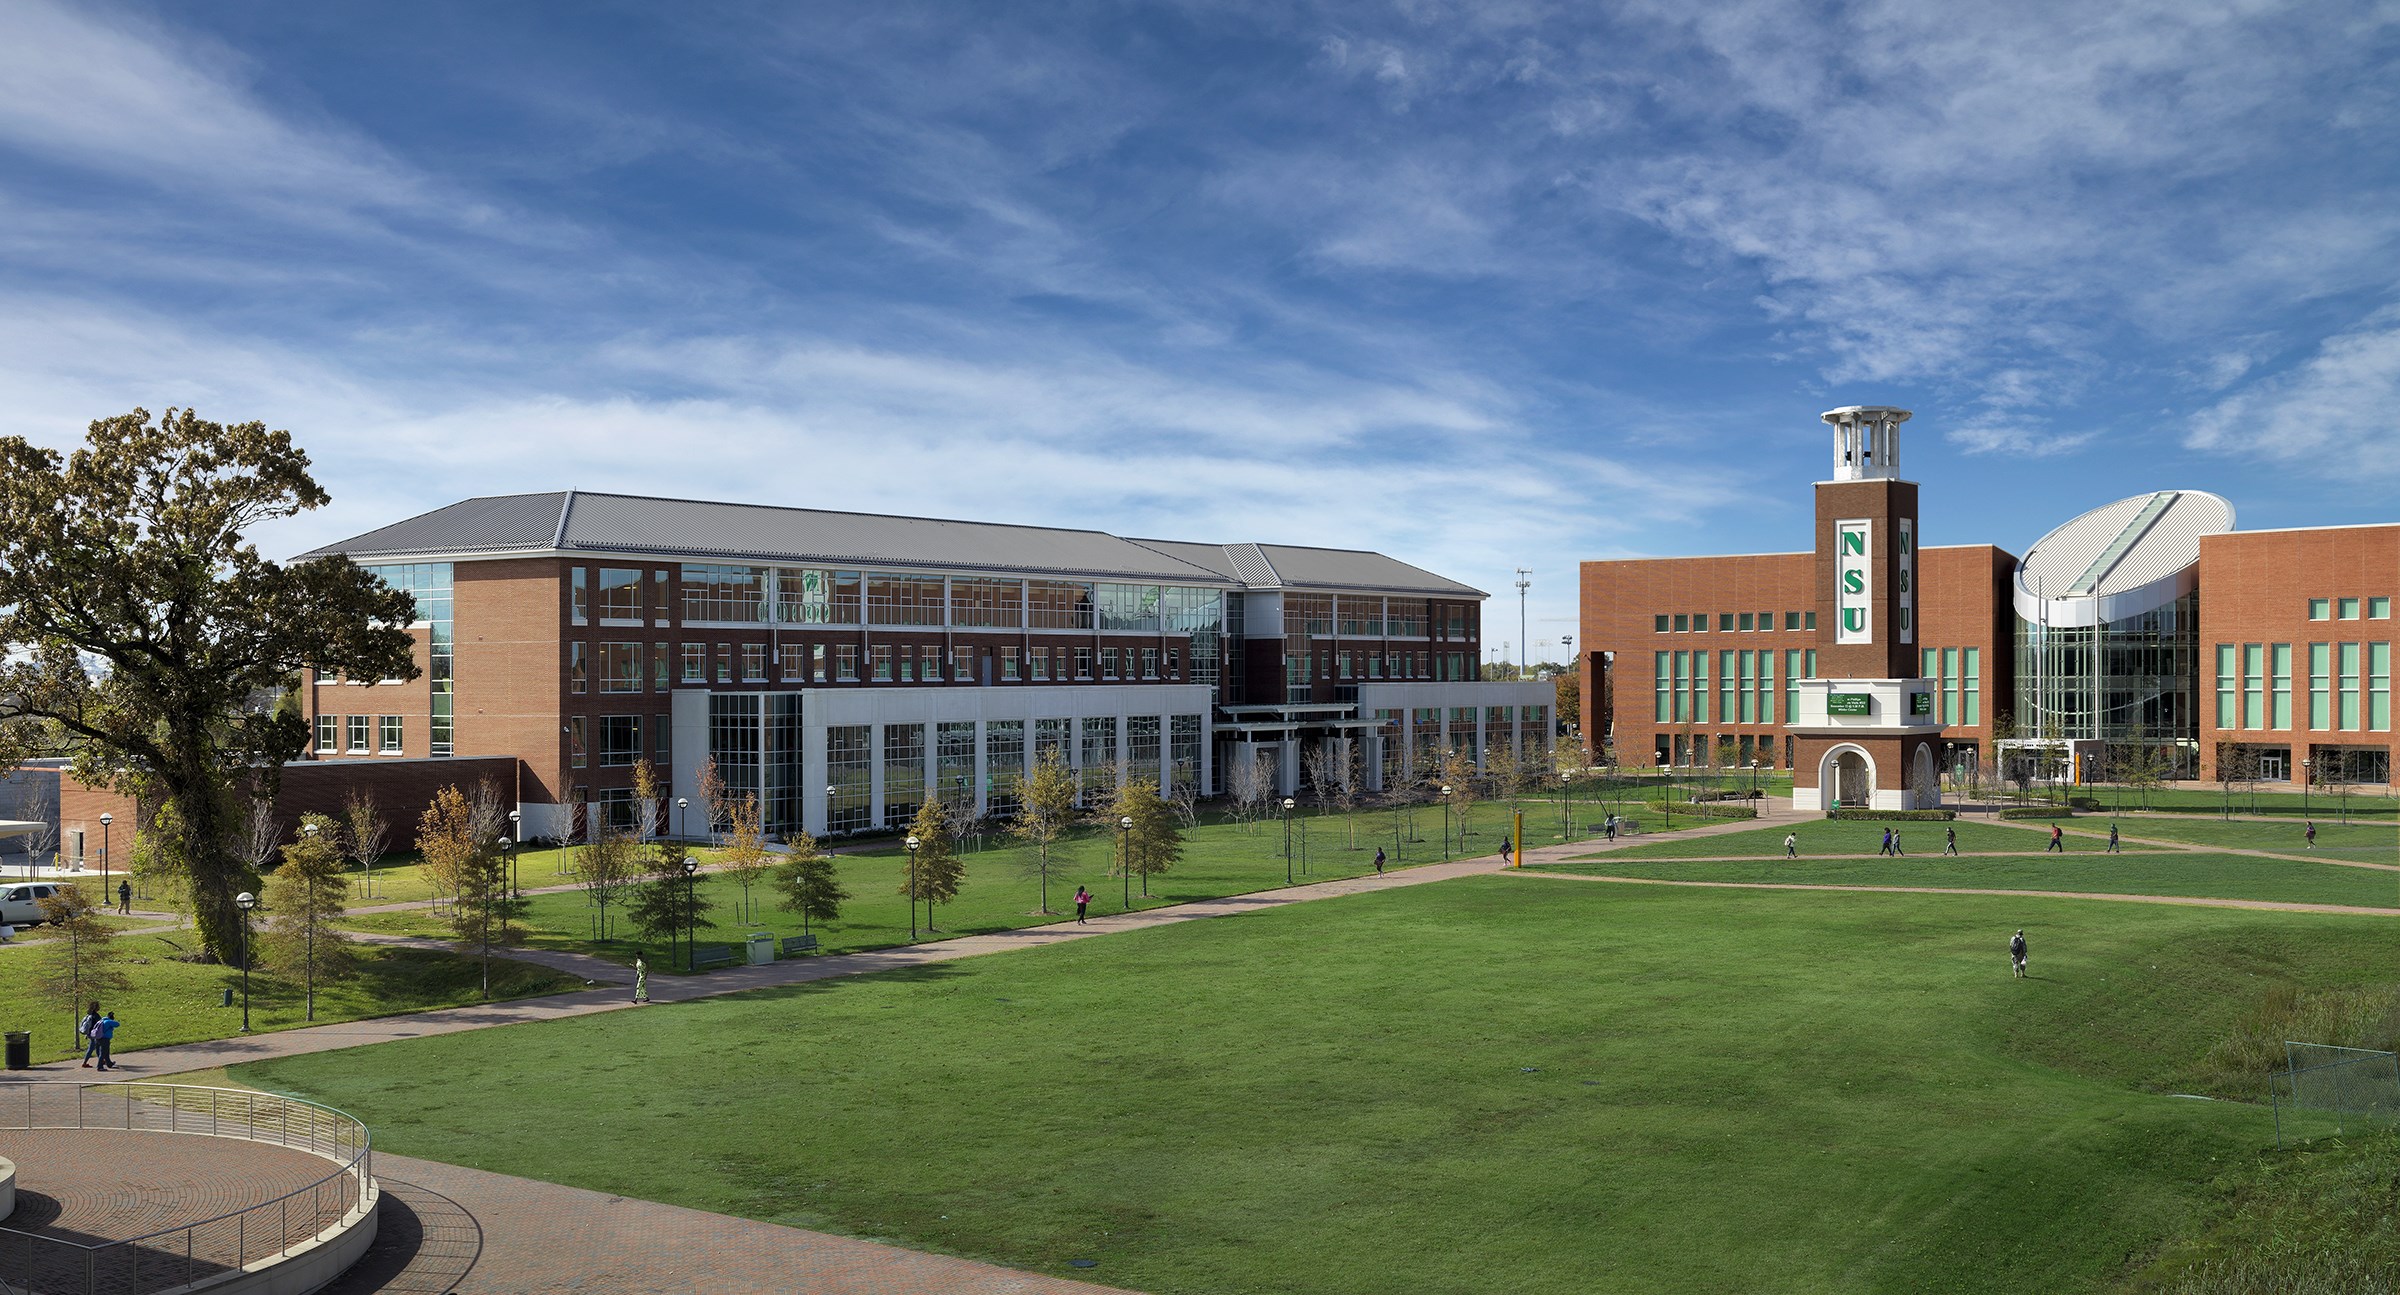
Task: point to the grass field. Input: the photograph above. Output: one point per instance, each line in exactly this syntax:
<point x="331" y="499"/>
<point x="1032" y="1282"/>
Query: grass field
<point x="2184" y="873"/>
<point x="1219" y="859"/>
<point x="179" y="1002"/>
<point x="2374" y="842"/>
<point x="1489" y="1084"/>
<point x="1841" y="836"/>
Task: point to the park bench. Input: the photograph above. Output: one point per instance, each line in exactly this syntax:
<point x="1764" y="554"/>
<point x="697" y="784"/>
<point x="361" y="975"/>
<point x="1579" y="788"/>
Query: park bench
<point x="795" y="945"/>
<point x="1625" y="826"/>
<point x="710" y="956"/>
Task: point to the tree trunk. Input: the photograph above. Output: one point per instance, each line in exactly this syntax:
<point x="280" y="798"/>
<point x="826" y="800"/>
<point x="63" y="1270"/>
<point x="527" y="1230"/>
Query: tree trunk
<point x="216" y="875"/>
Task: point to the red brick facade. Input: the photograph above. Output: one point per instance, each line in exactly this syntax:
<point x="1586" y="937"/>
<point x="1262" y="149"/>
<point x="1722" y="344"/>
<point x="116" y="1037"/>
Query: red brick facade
<point x="2292" y="648"/>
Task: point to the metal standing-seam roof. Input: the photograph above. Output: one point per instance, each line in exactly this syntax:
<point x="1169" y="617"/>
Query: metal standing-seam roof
<point x="2119" y="560"/>
<point x="574" y="521"/>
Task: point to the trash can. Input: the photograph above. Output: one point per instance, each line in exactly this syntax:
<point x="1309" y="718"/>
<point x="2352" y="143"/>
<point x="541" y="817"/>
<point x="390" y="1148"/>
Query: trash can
<point x="762" y="948"/>
<point x="20" y="1049"/>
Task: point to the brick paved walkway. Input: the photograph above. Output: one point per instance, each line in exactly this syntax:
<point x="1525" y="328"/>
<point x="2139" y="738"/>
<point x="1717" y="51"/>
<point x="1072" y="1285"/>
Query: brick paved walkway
<point x="109" y="1184"/>
<point x="446" y="1228"/>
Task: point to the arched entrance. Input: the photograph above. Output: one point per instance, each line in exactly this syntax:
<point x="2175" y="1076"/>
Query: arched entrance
<point x="1924" y="783"/>
<point x="1848" y="778"/>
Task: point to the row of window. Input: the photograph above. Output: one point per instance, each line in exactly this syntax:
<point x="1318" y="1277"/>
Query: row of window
<point x="386" y="733"/>
<point x="620" y="741"/>
<point x="1730" y="622"/>
<point x="1958" y="677"/>
<point x="2348" y="686"/>
<point x="1745" y="691"/>
<point x="2326" y="609"/>
<point x="616" y="667"/>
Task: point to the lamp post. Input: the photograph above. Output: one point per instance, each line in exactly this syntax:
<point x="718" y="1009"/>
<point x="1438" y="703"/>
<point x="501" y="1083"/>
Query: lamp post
<point x="1288" y="805"/>
<point x="681" y="804"/>
<point x="691" y="907"/>
<point x="913" y="843"/>
<point x="245" y="902"/>
<point x="829" y="808"/>
<point x="508" y="844"/>
<point x="2305" y="779"/>
<point x="1125" y="842"/>
<point x="1445" y="821"/>
<point x="105" y="820"/>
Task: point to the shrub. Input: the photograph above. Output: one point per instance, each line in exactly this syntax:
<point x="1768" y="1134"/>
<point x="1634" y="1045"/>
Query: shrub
<point x="1889" y="815"/>
<point x="1706" y="809"/>
<point x="2036" y="811"/>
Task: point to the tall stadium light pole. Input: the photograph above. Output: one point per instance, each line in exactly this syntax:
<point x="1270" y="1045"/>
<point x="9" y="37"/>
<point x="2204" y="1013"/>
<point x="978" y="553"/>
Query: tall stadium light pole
<point x="1524" y="644"/>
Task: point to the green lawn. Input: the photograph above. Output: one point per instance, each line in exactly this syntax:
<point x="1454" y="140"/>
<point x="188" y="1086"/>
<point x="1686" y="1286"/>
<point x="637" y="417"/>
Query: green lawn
<point x="2374" y="842"/>
<point x="1219" y="859"/>
<point x="178" y="1002"/>
<point x="1489" y="1084"/>
<point x="2370" y="801"/>
<point x="1843" y="836"/>
<point x="2217" y="876"/>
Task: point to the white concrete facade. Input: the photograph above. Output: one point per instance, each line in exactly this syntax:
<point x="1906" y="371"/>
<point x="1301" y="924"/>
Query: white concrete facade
<point x="1847" y="771"/>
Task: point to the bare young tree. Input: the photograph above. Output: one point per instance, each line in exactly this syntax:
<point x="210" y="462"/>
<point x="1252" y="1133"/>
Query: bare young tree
<point x="41" y="806"/>
<point x="1251" y="785"/>
<point x="1185" y="801"/>
<point x="612" y="861"/>
<point x="746" y="857"/>
<point x="366" y="832"/>
<point x="262" y="836"/>
<point x="713" y="796"/>
<point x="1349" y="783"/>
<point x="304" y="903"/>
<point x="81" y="961"/>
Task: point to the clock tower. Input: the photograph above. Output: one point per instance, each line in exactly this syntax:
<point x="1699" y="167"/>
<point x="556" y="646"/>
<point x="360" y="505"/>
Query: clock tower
<point x="1865" y="734"/>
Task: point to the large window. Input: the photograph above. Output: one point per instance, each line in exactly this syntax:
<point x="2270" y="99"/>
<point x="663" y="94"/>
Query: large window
<point x="1003" y="765"/>
<point x="1183" y="752"/>
<point x="754" y="663"/>
<point x="2379" y="687"/>
<point x="794" y="662"/>
<point x="1099" y="757"/>
<point x="2279" y="658"/>
<point x="1058" y="605"/>
<point x="1053" y="735"/>
<point x="724" y="594"/>
<point x="845" y="663"/>
<point x="979" y="602"/>
<point x="329" y="734"/>
<point x="954" y="764"/>
<point x="621" y="595"/>
<point x="1142" y="747"/>
<point x="1361" y="617"/>
<point x="2229" y="686"/>
<point x="579" y="667"/>
<point x="695" y="663"/>
<point x="2349" y="682"/>
<point x="429" y="583"/>
<point x="850" y="770"/>
<point x="579" y="596"/>
<point x="894" y="599"/>
<point x="392" y="728"/>
<point x="814" y="597"/>
<point x="579" y="742"/>
<point x="620" y="667"/>
<point x="2254" y="685"/>
<point x="1128" y="607"/>
<point x="2320" y="685"/>
<point x="620" y="740"/>
<point x="660" y="663"/>
<point x="903" y="773"/>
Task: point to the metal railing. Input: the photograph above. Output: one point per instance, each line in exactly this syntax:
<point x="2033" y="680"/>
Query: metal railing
<point x="43" y="1264"/>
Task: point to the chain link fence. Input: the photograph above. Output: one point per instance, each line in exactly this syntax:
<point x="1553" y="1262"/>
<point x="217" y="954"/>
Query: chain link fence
<point x="2324" y="1090"/>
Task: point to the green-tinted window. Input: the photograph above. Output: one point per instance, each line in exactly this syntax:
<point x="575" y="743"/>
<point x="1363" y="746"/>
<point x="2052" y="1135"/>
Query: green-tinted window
<point x="1929" y="663"/>
<point x="1971" y="707"/>
<point x="1808" y="620"/>
<point x="2320" y="686"/>
<point x="1700" y="622"/>
<point x="2379" y="609"/>
<point x="2379" y="687"/>
<point x="1660" y="624"/>
<point x="1791" y="620"/>
<point x="1791" y="683"/>
<point x="2349" y="673"/>
<point x="1683" y="686"/>
<point x="2254" y="685"/>
<point x="2279" y="658"/>
<point x="1663" y="684"/>
<point x="1766" y="688"/>
<point x="2228" y="687"/>
<point x="2348" y="609"/>
<point x="2320" y="609"/>
<point x="1728" y="682"/>
<point x="1700" y="687"/>
<point x="1682" y="623"/>
<point x="1746" y="620"/>
<point x="1950" y="701"/>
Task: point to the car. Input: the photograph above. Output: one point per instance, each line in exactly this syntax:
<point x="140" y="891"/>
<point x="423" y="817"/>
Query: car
<point x="21" y="905"/>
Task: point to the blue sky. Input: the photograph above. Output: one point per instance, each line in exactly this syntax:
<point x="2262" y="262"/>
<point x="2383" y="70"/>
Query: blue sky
<point x="1483" y="285"/>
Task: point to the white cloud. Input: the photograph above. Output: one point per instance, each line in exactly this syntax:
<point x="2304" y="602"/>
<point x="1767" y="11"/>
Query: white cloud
<point x="2019" y="438"/>
<point x="2336" y="413"/>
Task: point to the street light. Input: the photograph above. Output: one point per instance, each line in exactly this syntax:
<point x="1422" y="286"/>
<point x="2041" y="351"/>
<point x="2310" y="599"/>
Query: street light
<point x="1288" y="805"/>
<point x="105" y="820"/>
<point x="245" y="902"/>
<point x="1125" y="840"/>
<point x="681" y="804"/>
<point x="1445" y="820"/>
<point x="2304" y="781"/>
<point x="913" y="843"/>
<point x="829" y="807"/>
<point x="308" y="831"/>
<point x="508" y="844"/>
<point x="691" y="907"/>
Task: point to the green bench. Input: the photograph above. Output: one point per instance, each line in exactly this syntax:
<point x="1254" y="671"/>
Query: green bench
<point x="708" y="957"/>
<point x="795" y="945"/>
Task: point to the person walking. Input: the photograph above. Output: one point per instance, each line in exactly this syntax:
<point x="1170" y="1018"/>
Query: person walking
<point x="105" y="1034"/>
<point x="1899" y="851"/>
<point x="641" y="980"/>
<point x="87" y="1032"/>
<point x="1950" y="840"/>
<point x="125" y="898"/>
<point x="1083" y="901"/>
<point x="1612" y="827"/>
<point x="2112" y="839"/>
<point x="1506" y="852"/>
<point x="2058" y="841"/>
<point x="1379" y="858"/>
<point x="1791" y="845"/>
<point x="2312" y="835"/>
<point x="2016" y="954"/>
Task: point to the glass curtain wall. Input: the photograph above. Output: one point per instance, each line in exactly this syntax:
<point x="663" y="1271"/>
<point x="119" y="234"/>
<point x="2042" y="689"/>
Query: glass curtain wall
<point x="430" y="584"/>
<point x="2124" y="681"/>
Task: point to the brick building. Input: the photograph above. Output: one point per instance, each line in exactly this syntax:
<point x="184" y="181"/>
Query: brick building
<point x="844" y="666"/>
<point x="2146" y="623"/>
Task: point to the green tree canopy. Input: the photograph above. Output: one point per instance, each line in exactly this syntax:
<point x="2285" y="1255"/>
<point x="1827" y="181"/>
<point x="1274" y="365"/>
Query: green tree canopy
<point x="807" y="883"/>
<point x="142" y="623"/>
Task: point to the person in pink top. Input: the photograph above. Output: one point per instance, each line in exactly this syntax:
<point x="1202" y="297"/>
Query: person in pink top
<point x="1083" y="900"/>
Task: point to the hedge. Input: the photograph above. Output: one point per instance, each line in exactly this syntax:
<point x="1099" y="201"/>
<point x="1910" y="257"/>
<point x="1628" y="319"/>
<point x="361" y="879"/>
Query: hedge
<point x="1889" y="815"/>
<point x="2036" y="811"/>
<point x="1705" y="809"/>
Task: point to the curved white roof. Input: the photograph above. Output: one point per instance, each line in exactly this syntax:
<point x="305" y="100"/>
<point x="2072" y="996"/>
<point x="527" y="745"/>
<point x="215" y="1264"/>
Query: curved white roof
<point x="2119" y="560"/>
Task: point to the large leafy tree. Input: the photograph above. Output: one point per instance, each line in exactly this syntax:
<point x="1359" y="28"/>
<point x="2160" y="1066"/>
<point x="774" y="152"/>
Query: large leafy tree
<point x="141" y="623"/>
